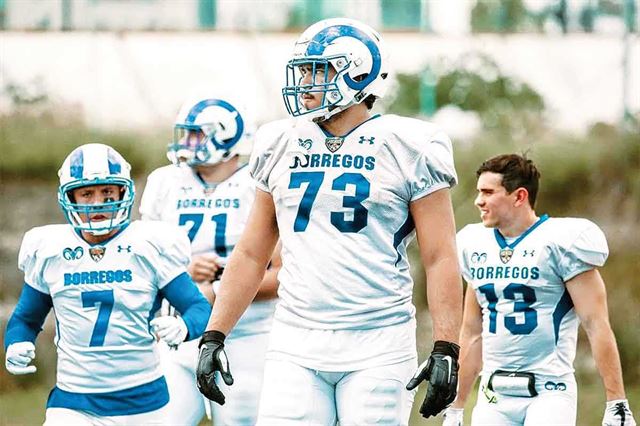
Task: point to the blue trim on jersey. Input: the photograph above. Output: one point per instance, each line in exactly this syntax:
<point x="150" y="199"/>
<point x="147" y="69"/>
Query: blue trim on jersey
<point x="76" y="168"/>
<point x="105" y="242"/>
<point x="215" y="185"/>
<point x="28" y="316"/>
<point x="503" y="243"/>
<point x="329" y="135"/>
<point x="184" y="295"/>
<point x="136" y="400"/>
<point x="157" y="304"/>
<point x="565" y="304"/>
<point x="405" y="229"/>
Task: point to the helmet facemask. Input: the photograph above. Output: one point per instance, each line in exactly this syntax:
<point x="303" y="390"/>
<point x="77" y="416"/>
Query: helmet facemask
<point x="353" y="50"/>
<point x="90" y="165"/>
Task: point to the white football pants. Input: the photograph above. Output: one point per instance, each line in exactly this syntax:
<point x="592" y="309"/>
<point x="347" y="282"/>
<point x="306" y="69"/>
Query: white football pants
<point x="295" y="395"/>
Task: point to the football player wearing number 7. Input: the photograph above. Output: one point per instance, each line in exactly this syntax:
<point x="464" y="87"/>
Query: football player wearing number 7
<point x="103" y="276"/>
<point x="345" y="192"/>
<point x="208" y="192"/>
<point x="532" y="280"/>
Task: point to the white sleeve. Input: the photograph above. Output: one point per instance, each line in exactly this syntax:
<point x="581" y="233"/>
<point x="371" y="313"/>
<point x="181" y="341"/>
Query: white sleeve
<point x="171" y="254"/>
<point x="587" y="251"/>
<point x="28" y="261"/>
<point x="461" y="236"/>
<point x="434" y="168"/>
<point x="151" y="200"/>
<point x="270" y="140"/>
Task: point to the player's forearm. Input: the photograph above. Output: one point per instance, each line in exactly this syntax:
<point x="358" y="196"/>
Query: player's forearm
<point x="606" y="356"/>
<point x="470" y="366"/>
<point x="444" y="293"/>
<point x="269" y="286"/>
<point x="240" y="281"/>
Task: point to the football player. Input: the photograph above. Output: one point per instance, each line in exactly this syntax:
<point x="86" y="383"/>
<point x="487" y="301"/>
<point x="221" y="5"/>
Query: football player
<point x="346" y="191"/>
<point x="103" y="276"/>
<point x="208" y="193"/>
<point x="532" y="280"/>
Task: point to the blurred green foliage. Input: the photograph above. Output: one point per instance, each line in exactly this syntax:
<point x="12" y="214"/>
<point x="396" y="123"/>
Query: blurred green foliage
<point x="505" y="105"/>
<point x="34" y="143"/>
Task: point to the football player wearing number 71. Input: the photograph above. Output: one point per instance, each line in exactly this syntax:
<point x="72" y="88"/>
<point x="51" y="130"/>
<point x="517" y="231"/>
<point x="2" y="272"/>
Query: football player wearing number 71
<point x="345" y="191"/>
<point x="532" y="280"/>
<point x="103" y="276"/>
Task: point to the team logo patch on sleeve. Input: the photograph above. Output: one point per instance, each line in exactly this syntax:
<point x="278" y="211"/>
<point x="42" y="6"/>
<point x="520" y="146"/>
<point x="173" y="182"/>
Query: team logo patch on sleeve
<point x="306" y="144"/>
<point x="334" y="144"/>
<point x="97" y="253"/>
<point x="506" y="254"/>
<point x="72" y="254"/>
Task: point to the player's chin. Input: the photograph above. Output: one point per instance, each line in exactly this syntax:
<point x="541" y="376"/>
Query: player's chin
<point x="487" y="221"/>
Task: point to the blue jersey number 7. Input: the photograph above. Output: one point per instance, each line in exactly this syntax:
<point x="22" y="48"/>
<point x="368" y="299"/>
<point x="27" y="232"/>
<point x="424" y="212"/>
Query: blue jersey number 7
<point x="105" y="299"/>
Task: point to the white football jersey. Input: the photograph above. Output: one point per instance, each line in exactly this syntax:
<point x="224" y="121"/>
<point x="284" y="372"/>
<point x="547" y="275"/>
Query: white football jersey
<point x="528" y="320"/>
<point x="103" y="299"/>
<point x="342" y="206"/>
<point x="212" y="217"/>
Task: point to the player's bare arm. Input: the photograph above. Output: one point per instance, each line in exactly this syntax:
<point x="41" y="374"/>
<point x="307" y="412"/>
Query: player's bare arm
<point x="470" y="347"/>
<point x="435" y="230"/>
<point x="247" y="264"/>
<point x="589" y="298"/>
<point x="269" y="286"/>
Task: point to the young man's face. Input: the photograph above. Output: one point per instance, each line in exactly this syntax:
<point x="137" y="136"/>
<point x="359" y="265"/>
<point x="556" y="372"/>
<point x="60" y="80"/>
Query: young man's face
<point x="96" y="194"/>
<point x="495" y="204"/>
<point x="311" y="100"/>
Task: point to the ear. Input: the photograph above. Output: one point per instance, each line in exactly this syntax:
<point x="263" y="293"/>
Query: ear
<point x="522" y="196"/>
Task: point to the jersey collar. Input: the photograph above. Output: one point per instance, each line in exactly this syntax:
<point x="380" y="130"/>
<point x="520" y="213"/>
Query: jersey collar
<point x="502" y="242"/>
<point x="329" y="135"/>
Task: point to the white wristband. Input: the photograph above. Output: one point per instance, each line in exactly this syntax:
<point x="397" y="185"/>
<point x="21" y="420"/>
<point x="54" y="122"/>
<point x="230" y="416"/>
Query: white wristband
<point x="216" y="286"/>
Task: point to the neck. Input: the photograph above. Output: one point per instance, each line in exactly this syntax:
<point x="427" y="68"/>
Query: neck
<point x="218" y="172"/>
<point x="97" y="239"/>
<point x="345" y="121"/>
<point x="519" y="225"/>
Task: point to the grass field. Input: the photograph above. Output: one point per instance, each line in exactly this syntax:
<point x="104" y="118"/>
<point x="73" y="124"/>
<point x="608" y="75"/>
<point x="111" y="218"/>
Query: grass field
<point x="26" y="407"/>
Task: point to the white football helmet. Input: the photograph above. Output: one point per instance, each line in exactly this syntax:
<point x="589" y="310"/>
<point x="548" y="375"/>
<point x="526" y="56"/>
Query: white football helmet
<point x="353" y="49"/>
<point x="207" y="131"/>
<point x="96" y="164"/>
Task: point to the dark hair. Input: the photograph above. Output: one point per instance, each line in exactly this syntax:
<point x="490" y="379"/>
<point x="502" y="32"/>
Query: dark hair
<point x="369" y="101"/>
<point x="517" y="172"/>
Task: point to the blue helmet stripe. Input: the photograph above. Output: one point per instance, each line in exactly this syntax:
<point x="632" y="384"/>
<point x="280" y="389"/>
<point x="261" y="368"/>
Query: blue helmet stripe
<point x="77" y="164"/>
<point x="200" y="106"/>
<point x="114" y="165"/>
<point x="324" y="38"/>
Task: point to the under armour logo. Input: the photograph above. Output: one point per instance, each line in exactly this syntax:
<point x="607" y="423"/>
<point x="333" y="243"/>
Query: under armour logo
<point x="72" y="254"/>
<point x="528" y="253"/>
<point x="370" y="140"/>
<point x="185" y="189"/>
<point x="478" y="257"/>
<point x="126" y="248"/>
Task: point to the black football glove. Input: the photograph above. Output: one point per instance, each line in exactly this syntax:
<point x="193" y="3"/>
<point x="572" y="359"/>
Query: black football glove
<point x="441" y="373"/>
<point x="212" y="358"/>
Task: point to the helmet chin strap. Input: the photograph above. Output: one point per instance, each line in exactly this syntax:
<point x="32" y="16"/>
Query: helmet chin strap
<point x="331" y="113"/>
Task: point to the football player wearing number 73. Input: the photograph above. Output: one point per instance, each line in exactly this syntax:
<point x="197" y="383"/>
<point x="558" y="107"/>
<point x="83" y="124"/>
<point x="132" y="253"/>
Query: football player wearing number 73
<point x="345" y="191"/>
<point x="104" y="277"/>
<point x="532" y="280"/>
